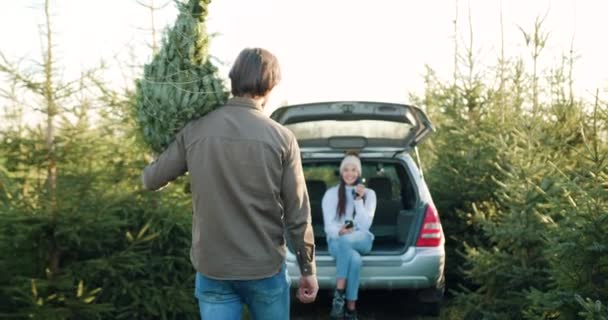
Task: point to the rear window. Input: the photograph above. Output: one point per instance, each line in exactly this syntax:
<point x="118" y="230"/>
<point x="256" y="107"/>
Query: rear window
<point x="370" y="129"/>
<point x="388" y="179"/>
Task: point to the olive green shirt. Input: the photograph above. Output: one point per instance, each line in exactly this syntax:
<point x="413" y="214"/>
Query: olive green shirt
<point x="248" y="190"/>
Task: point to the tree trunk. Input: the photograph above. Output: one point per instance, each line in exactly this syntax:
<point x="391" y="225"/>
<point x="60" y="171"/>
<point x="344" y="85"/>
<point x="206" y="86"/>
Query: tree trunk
<point x="51" y="111"/>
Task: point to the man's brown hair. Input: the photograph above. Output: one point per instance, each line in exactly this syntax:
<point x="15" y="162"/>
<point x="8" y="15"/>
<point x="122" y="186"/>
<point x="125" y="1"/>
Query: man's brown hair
<point x="255" y="72"/>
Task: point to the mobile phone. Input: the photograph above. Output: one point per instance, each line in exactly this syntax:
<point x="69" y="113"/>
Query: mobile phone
<point x="348" y="224"/>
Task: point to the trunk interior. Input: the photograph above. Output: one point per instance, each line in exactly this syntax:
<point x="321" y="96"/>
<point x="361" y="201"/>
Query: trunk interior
<point x="395" y="216"/>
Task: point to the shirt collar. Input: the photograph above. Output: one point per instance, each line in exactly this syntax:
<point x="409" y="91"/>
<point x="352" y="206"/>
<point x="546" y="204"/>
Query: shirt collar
<point x="244" y="102"/>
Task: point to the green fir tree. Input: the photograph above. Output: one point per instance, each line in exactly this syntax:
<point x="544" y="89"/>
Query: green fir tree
<point x="181" y="83"/>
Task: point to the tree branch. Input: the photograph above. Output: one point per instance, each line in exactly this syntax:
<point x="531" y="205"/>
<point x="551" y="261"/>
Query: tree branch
<point x="152" y="7"/>
<point x="7" y="68"/>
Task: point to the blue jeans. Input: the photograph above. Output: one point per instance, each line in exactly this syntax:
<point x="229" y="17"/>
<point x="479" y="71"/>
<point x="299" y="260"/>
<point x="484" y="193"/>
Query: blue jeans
<point x="347" y="250"/>
<point x="266" y="298"/>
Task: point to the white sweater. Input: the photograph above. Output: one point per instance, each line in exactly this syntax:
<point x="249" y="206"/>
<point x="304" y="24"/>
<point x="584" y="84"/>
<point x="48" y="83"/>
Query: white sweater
<point x="365" y="210"/>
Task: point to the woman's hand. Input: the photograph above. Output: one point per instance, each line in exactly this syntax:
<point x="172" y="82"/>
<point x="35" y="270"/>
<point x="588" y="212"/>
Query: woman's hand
<point x="344" y="230"/>
<point x="360" y="191"/>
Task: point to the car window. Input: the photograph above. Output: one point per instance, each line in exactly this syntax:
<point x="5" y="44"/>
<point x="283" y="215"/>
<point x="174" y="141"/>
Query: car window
<point x="381" y="176"/>
<point x="371" y="129"/>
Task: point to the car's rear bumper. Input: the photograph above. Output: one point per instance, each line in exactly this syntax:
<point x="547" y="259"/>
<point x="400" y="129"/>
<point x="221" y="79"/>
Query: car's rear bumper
<point x="417" y="268"/>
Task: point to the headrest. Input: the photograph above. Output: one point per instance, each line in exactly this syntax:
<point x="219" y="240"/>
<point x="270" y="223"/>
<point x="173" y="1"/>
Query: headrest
<point x="382" y="186"/>
<point x="316" y="189"/>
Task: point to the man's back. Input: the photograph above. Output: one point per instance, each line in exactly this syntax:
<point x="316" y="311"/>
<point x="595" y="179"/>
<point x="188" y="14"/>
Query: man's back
<point x="245" y="175"/>
<point x="247" y="189"/>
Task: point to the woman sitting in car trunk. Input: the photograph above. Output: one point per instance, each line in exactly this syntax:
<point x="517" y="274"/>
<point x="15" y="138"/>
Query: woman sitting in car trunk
<point x="348" y="212"/>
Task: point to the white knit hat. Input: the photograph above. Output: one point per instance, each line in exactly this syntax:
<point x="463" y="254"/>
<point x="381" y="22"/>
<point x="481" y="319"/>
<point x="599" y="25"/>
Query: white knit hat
<point x="351" y="159"/>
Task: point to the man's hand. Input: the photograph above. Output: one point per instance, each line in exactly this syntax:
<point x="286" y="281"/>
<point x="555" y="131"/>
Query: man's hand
<point x="150" y="156"/>
<point x="308" y="288"/>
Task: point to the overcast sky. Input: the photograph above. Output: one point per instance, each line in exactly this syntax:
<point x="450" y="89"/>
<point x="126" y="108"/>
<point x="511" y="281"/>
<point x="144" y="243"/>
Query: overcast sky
<point x="328" y="49"/>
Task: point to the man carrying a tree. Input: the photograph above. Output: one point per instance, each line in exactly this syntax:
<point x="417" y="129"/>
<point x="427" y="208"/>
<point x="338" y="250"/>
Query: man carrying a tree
<point x="247" y="187"/>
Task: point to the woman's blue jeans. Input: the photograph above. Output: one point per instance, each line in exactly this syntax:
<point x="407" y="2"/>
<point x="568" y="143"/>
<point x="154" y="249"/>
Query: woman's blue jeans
<point x="347" y="250"/>
<point x="223" y="299"/>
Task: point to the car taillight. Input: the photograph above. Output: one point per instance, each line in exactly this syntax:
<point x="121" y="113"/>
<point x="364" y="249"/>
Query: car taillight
<point x="430" y="233"/>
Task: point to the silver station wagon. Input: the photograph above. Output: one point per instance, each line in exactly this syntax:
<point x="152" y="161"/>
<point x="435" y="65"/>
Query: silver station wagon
<point x="408" y="250"/>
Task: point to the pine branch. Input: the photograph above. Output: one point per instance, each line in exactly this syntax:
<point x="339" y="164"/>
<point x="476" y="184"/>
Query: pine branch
<point x="14" y="74"/>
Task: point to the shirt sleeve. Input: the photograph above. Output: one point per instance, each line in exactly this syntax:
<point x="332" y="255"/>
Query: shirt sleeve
<point x="168" y="166"/>
<point x="297" y="210"/>
<point x="365" y="210"/>
<point x="329" y="205"/>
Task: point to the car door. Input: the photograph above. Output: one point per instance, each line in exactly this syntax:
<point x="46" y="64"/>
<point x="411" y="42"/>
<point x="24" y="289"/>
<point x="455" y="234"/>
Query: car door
<point x="355" y="125"/>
